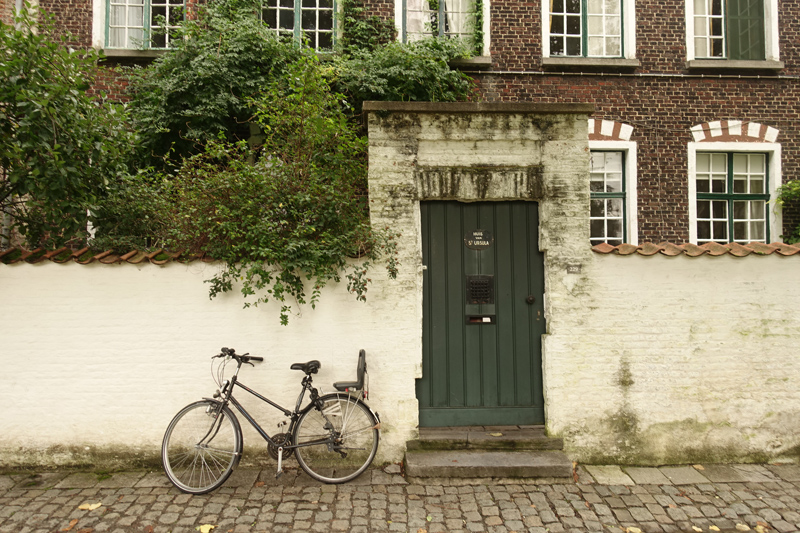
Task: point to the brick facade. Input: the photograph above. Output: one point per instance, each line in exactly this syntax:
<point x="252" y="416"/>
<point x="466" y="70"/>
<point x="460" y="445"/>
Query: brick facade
<point x="660" y="97"/>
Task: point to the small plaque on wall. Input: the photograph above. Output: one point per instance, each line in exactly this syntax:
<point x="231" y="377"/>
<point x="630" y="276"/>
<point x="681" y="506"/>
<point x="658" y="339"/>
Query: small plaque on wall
<point x="478" y="239"/>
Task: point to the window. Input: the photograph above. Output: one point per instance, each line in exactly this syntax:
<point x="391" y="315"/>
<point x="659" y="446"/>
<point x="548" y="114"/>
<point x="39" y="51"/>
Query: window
<point x="607" y="188"/>
<point x="445" y="18"/>
<point x="732" y="191"/>
<point x="585" y="28"/>
<point x="731" y="29"/>
<point x="142" y="24"/>
<point x="612" y="183"/>
<point x="312" y="20"/>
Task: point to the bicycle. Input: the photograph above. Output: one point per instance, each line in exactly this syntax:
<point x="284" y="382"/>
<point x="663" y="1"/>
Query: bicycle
<point x="334" y="438"/>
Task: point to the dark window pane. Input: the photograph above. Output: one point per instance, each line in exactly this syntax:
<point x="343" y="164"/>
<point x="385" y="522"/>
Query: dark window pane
<point x="287" y="3"/>
<point x="720" y="209"/>
<point x="326" y="20"/>
<point x="598" y="228"/>
<point x="704" y="230"/>
<point x="309" y="3"/>
<point x="158" y="12"/>
<point x="703" y="209"/>
<point x="574" y="46"/>
<point x="287" y="20"/>
<point x="270" y="18"/>
<point x="326" y="3"/>
<point x="574" y="25"/>
<point x="702" y="186"/>
<point x="573" y="6"/>
<point x="309" y="20"/>
<point x="325" y="41"/>
<point x="557" y="25"/>
<point x="558" y="6"/>
<point x="159" y="40"/>
<point x="721" y="231"/>
<point x="598" y="208"/>
<point x="718" y="186"/>
<point x="615" y="228"/>
<point x="739" y="210"/>
<point x="557" y="46"/>
<point x="739" y="231"/>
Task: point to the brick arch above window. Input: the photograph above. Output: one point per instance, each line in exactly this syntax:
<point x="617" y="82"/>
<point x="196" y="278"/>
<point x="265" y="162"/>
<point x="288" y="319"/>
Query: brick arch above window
<point x="734" y="131"/>
<point x="609" y="130"/>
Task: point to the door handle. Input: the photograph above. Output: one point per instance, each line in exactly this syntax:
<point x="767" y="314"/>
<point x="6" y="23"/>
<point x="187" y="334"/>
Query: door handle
<point x="530" y="299"/>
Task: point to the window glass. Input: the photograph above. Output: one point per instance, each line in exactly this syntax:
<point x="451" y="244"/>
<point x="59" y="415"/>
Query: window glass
<point x="731" y="197"/>
<point x="444" y="18"/>
<point x="607" y="204"/>
<point x="591" y="28"/>
<point x="142" y="24"/>
<point x="732" y="29"/>
<point x="308" y="20"/>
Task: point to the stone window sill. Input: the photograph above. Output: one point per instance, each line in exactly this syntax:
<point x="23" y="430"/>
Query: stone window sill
<point x="472" y="63"/>
<point x="732" y="64"/>
<point x="132" y="54"/>
<point x="589" y="63"/>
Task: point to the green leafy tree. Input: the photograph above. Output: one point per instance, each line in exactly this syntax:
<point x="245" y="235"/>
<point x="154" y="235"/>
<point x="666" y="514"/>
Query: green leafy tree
<point x="201" y="88"/>
<point x="417" y="71"/>
<point x="292" y="213"/>
<point x="59" y="145"/>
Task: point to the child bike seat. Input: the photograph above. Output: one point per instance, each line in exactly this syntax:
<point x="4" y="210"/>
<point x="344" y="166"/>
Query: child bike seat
<point x="312" y="367"/>
<point x="355" y="385"/>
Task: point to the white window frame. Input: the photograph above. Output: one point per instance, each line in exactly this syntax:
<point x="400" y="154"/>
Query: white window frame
<point x="771" y="41"/>
<point x="631" y="199"/>
<point x="400" y="20"/>
<point x="100" y="27"/>
<point x="628" y="33"/>
<point x="773" y="151"/>
<point x="297" y="32"/>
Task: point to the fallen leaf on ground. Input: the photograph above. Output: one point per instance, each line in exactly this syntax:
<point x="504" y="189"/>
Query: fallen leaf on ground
<point x="742" y="527"/>
<point x="633" y="530"/>
<point x="89" y="506"/>
<point x="699" y="467"/>
<point x="496" y="434"/>
<point x="420" y="530"/>
<point x="71" y="525"/>
<point x="205" y="528"/>
<point x="760" y="529"/>
<point x="698" y="529"/>
<point x="713" y="528"/>
<point x="259" y="483"/>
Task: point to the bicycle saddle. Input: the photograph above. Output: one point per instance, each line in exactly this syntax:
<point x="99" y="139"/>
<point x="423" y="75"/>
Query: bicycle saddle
<point x="312" y="367"/>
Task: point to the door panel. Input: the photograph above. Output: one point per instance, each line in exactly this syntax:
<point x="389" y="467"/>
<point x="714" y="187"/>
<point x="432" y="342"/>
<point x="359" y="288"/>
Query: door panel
<point x="481" y="358"/>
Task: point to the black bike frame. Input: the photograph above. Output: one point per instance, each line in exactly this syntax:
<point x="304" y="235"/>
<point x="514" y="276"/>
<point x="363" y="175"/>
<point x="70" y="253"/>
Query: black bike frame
<point x="292" y="415"/>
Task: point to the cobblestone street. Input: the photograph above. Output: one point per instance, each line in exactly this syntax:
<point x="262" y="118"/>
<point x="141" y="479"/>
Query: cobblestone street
<point x="609" y="498"/>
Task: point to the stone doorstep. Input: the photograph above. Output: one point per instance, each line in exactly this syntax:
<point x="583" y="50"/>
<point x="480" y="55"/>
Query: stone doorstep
<point x="487" y="464"/>
<point x="485" y="438"/>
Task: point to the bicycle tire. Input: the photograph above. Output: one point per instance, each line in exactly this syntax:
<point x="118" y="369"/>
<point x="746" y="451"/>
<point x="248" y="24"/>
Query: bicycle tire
<point x="192" y="463"/>
<point x="358" y="432"/>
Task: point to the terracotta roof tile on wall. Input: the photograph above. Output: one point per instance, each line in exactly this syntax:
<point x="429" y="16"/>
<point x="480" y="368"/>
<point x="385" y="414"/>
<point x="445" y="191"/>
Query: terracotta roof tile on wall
<point x="86" y="256"/>
<point x="693" y="250"/>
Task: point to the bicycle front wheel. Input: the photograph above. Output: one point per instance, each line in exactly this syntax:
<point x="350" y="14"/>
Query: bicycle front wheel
<point x="201" y="447"/>
<point x="338" y="442"/>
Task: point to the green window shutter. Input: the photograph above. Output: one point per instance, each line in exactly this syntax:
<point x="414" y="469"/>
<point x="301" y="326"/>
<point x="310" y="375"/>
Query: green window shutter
<point x="746" y="38"/>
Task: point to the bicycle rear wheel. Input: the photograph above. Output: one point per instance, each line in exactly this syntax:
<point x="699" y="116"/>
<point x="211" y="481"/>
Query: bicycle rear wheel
<point x="201" y="447"/>
<point x="336" y="444"/>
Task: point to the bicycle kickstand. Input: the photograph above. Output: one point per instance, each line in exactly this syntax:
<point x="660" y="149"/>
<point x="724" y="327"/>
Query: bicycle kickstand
<point x="280" y="462"/>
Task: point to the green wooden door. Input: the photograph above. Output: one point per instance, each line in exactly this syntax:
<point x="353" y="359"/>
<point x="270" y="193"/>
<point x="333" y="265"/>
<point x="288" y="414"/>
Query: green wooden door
<point x="482" y="314"/>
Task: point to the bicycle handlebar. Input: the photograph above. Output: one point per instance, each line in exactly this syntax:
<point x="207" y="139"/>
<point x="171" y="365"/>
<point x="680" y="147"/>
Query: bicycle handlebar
<point x="244" y="358"/>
